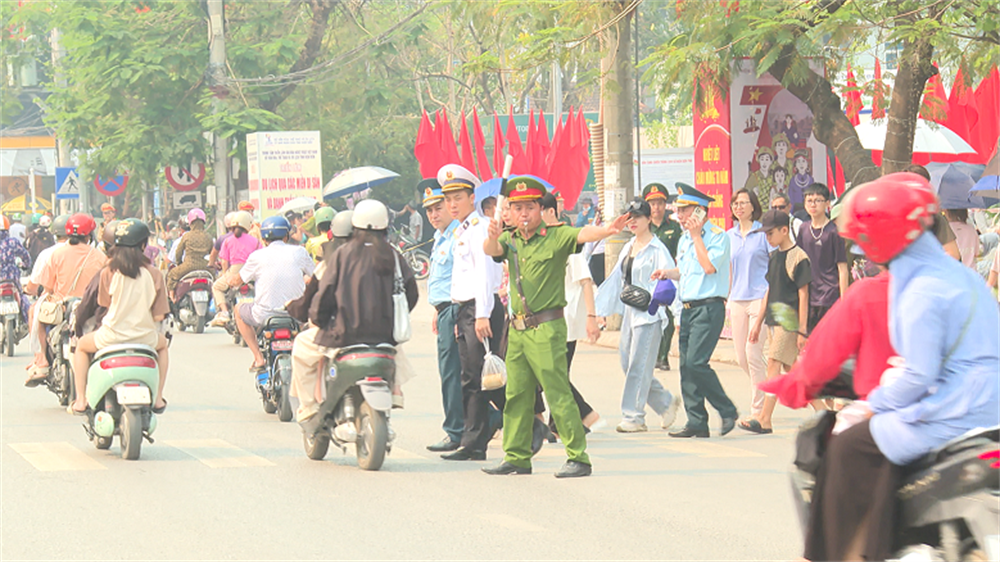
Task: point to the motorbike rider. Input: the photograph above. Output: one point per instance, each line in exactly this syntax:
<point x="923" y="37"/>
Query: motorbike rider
<point x="280" y="271"/>
<point x="353" y="304"/>
<point x="67" y="273"/>
<point x="40" y="238"/>
<point x="233" y="254"/>
<point x="944" y="326"/>
<point x="227" y="223"/>
<point x="13" y="257"/>
<point x="89" y="312"/>
<point x="134" y="293"/>
<point x="194" y="246"/>
<point x="324" y="217"/>
<point x="34" y="287"/>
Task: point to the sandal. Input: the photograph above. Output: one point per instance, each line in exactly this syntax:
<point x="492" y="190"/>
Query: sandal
<point x="161" y="408"/>
<point x="82" y="412"/>
<point x="36" y="376"/>
<point x="753" y="426"/>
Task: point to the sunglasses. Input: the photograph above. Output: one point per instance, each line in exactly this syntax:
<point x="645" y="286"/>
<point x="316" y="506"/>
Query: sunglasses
<point x="635" y="208"/>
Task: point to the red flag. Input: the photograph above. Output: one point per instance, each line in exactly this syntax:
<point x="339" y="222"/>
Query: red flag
<point x="449" y="152"/>
<point x="531" y="142"/>
<point x="853" y="97"/>
<point x="935" y="104"/>
<point x="879" y="91"/>
<point x="514" y="145"/>
<point x="988" y="104"/>
<point x="498" y="145"/>
<point x="426" y="149"/>
<point x="555" y="152"/>
<point x="962" y="113"/>
<point x="578" y="159"/>
<point x="542" y="147"/>
<point x="479" y="141"/>
<point x="467" y="160"/>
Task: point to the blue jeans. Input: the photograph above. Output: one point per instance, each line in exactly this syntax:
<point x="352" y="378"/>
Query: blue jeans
<point x="450" y="369"/>
<point x="638" y="349"/>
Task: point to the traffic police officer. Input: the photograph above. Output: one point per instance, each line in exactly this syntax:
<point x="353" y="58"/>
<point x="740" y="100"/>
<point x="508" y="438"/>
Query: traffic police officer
<point x="703" y="270"/>
<point x="443" y="323"/>
<point x="536" y="347"/>
<point x="475" y="280"/>
<point x="669" y="232"/>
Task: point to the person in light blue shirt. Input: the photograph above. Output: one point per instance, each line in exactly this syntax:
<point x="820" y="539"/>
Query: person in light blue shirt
<point x="748" y="262"/>
<point x="640" y="331"/>
<point x="703" y="271"/>
<point x="443" y="322"/>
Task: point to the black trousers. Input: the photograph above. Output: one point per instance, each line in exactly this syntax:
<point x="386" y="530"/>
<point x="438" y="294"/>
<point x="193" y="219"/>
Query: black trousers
<point x="476" y="401"/>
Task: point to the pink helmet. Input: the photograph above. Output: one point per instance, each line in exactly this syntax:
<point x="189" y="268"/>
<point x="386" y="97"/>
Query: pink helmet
<point x="195" y="214"/>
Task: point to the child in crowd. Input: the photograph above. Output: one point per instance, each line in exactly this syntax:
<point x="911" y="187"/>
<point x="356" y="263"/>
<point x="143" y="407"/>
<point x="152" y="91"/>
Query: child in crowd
<point x="819" y="238"/>
<point x="788" y="277"/>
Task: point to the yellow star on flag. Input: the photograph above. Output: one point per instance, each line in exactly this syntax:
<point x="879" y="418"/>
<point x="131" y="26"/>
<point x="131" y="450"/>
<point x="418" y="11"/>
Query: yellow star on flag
<point x="754" y="95"/>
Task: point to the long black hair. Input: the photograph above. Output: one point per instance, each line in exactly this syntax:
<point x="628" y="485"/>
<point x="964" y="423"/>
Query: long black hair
<point x="128" y="260"/>
<point x="375" y="241"/>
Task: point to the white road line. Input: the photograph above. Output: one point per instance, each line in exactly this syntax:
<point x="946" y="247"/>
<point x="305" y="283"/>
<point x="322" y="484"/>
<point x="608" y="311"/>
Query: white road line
<point x="217" y="453"/>
<point x="60" y="455"/>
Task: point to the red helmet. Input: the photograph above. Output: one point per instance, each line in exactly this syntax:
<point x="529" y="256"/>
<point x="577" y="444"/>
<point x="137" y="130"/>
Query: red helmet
<point x="80" y="224"/>
<point x="887" y="215"/>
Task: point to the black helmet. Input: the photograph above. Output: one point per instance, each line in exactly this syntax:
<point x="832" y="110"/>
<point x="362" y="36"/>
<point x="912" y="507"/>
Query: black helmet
<point x="131" y="232"/>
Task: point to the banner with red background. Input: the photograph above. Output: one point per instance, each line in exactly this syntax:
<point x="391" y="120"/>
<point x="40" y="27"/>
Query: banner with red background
<point x="713" y="157"/>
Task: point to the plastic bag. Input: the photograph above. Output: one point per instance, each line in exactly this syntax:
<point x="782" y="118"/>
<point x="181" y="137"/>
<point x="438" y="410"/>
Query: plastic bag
<point x="494" y="370"/>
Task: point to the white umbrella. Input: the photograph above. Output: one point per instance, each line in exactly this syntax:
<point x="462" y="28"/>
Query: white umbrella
<point x="353" y="180"/>
<point x="299" y="204"/>
<point x="928" y="137"/>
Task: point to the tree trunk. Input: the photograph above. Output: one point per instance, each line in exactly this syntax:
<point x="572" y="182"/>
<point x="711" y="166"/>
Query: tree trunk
<point x="915" y="69"/>
<point x="310" y="51"/>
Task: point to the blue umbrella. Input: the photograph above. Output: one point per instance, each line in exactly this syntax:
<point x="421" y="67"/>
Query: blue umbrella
<point x="353" y="180"/>
<point x="489" y="188"/>
<point x="987" y="186"/>
<point x="954" y="182"/>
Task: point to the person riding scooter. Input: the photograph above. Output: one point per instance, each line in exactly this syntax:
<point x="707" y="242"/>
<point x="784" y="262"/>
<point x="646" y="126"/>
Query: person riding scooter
<point x="194" y="246"/>
<point x="943" y="326"/>
<point x="134" y="293"/>
<point x="233" y="254"/>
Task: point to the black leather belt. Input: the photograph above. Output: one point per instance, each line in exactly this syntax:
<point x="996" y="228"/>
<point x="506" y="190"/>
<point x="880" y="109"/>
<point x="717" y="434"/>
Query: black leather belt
<point x="703" y="302"/>
<point x="441" y="306"/>
<point x="522" y="322"/>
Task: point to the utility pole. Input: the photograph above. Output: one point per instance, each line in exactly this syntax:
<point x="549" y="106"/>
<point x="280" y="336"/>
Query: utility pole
<point x="217" y="83"/>
<point x="62" y="147"/>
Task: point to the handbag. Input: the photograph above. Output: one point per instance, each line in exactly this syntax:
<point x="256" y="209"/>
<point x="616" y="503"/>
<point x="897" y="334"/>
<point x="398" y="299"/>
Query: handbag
<point x="812" y="439"/>
<point x="633" y="295"/>
<point x="401" y="330"/>
<point x="50" y="309"/>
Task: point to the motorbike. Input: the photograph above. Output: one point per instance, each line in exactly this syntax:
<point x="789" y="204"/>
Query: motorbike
<point x="357" y="403"/>
<point x="275" y="338"/>
<point x="121" y="385"/>
<point x="59" y="352"/>
<point x="949" y="501"/>
<point x="243" y="294"/>
<point x="193" y="295"/>
<point x="14" y="328"/>
<point x="417" y="258"/>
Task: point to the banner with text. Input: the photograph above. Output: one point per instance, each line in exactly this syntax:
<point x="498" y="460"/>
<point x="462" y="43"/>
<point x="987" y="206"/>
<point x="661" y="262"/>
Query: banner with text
<point x="283" y="165"/>
<point x="712" y="160"/>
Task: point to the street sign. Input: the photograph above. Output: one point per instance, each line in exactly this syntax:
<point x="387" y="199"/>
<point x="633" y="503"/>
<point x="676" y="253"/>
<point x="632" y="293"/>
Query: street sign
<point x="67" y="183"/>
<point x="185" y="179"/>
<point x="187" y="200"/>
<point x="113" y="186"/>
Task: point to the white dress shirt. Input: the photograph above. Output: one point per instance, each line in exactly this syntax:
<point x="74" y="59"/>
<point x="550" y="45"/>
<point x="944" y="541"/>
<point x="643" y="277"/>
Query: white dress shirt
<point x="474" y="276"/>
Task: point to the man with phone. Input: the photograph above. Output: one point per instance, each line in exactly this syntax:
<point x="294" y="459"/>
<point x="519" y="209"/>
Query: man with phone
<point x="703" y="269"/>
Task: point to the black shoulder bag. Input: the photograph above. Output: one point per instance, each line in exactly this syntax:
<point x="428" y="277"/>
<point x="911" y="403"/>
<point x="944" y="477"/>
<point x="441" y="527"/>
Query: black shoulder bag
<point x="632" y="295"/>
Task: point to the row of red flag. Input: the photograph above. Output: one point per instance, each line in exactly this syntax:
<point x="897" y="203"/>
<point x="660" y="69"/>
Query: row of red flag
<point x="973" y="115"/>
<point x="563" y="160"/>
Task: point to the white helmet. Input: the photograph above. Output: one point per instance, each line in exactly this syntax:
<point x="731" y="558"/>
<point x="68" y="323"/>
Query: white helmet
<point x="341" y="226"/>
<point x="370" y="215"/>
<point x="243" y="219"/>
<point x="228" y="219"/>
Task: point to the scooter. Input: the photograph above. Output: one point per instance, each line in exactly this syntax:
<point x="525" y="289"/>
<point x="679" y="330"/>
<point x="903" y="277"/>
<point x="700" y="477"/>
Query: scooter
<point x="357" y="403"/>
<point x="121" y="385"/>
<point x="59" y="352"/>
<point x="275" y="339"/>
<point x="243" y="294"/>
<point x="193" y="295"/>
<point x="949" y="501"/>
<point x="14" y="328"/>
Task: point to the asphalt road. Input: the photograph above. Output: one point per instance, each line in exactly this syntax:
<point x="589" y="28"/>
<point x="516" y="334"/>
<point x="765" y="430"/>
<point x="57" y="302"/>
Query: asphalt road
<point x="224" y="480"/>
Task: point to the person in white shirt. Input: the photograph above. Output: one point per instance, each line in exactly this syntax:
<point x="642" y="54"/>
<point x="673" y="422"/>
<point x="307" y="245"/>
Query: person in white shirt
<point x="58" y="229"/>
<point x="480" y="318"/>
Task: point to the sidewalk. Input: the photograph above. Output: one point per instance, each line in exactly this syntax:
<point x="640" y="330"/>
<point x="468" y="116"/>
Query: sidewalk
<point x="724" y="352"/>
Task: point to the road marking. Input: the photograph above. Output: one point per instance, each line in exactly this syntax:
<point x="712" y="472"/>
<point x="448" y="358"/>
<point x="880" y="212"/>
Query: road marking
<point x="216" y="453"/>
<point x="707" y="450"/>
<point x="49" y="457"/>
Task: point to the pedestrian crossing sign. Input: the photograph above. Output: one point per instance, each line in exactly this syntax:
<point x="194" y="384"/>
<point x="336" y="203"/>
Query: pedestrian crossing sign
<point x="67" y="183"/>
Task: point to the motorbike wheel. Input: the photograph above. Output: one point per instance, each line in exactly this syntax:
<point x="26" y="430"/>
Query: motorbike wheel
<point x="269" y="407"/>
<point x="199" y="325"/>
<point x="102" y="443"/>
<point x="65" y="384"/>
<point x="421" y="265"/>
<point x="373" y="435"/>
<point x="316" y="446"/>
<point x="283" y="378"/>
<point x="131" y="433"/>
<point x="10" y="334"/>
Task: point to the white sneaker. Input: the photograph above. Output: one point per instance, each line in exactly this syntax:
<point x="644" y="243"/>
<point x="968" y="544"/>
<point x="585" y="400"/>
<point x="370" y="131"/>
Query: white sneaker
<point x="631" y="427"/>
<point x="670" y="414"/>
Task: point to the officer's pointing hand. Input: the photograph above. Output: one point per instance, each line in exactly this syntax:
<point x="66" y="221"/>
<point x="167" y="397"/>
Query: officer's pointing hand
<point x="494" y="230"/>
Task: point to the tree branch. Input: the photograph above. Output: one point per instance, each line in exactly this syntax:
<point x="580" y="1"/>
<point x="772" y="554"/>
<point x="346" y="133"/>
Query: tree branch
<point x="310" y="51"/>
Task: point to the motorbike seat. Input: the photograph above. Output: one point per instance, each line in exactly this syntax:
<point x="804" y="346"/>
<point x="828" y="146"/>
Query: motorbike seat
<point x="278" y="322"/>
<point x="125" y="349"/>
<point x="198" y="274"/>
<point x="970" y="439"/>
<point x="380" y="349"/>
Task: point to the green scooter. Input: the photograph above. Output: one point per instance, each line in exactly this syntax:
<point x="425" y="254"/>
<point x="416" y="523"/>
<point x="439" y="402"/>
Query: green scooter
<point x="121" y="385"/>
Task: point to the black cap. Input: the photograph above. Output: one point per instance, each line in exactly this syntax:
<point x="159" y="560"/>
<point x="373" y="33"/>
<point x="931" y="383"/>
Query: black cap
<point x="638" y="207"/>
<point x="773" y="219"/>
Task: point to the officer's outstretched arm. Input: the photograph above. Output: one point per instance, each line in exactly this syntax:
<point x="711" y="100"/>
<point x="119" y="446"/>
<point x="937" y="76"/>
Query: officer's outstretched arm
<point x="594" y="233"/>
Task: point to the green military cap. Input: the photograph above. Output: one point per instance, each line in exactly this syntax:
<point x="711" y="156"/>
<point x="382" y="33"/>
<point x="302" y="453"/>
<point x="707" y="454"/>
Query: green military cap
<point x="523" y="188"/>
<point x="656" y="190"/>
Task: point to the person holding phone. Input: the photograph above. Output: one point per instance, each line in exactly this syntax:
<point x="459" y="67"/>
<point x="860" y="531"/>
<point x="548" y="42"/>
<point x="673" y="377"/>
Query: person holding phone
<point x="703" y="269"/>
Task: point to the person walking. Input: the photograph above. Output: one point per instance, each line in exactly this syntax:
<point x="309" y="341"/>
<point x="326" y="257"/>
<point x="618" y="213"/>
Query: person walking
<point x="537" y="255"/>
<point x="443" y="322"/>
<point x="703" y="269"/>
<point x="640" y="331"/>
<point x="669" y="232"/>
<point x="748" y="259"/>
<point x="827" y="254"/>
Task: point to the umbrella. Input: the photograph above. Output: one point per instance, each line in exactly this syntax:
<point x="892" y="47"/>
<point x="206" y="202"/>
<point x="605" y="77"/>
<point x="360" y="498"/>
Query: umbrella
<point x="19" y="205"/>
<point x="927" y="138"/>
<point x="489" y="188"/>
<point x="989" y="184"/>
<point x="352" y="180"/>
<point x="953" y="183"/>
<point x="299" y="204"/>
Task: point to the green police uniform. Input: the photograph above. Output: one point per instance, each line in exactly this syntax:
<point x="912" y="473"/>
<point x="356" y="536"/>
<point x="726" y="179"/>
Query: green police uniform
<point x="669" y="232"/>
<point x="537" y="355"/>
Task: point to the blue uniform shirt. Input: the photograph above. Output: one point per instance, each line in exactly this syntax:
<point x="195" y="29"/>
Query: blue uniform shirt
<point x="748" y="257"/>
<point x="439" y="280"/>
<point x="695" y="284"/>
